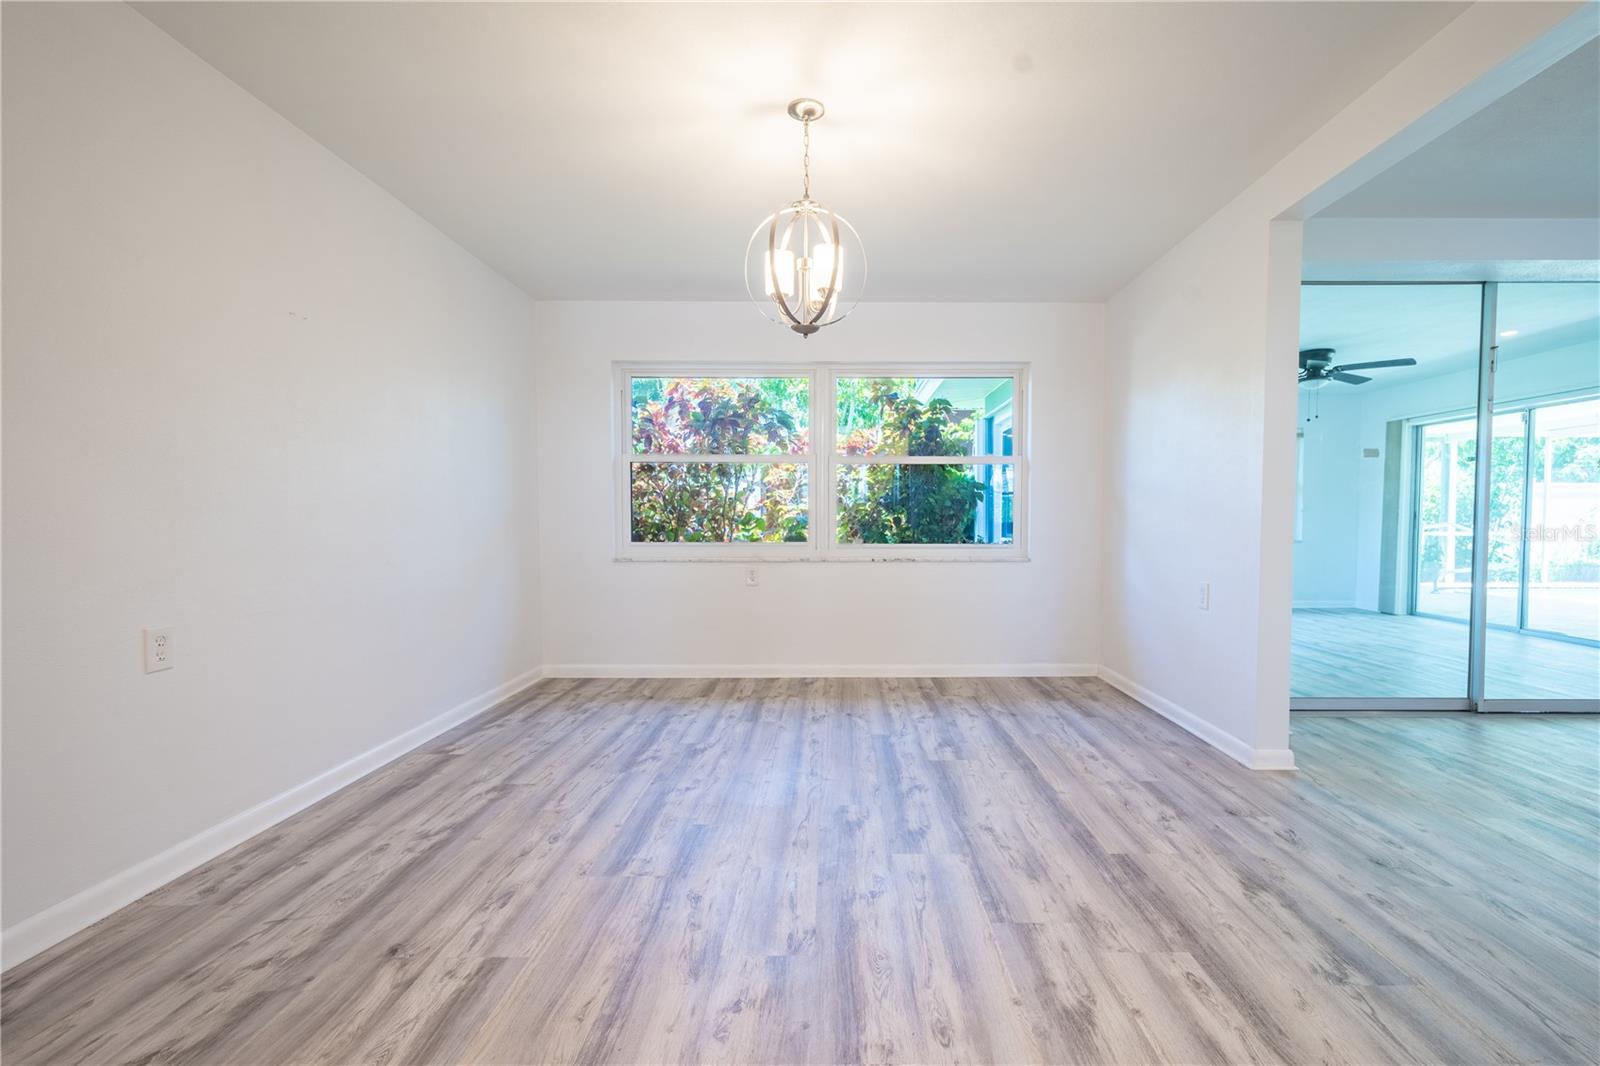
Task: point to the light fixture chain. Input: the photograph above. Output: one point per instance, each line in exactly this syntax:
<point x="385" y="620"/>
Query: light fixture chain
<point x="805" y="161"/>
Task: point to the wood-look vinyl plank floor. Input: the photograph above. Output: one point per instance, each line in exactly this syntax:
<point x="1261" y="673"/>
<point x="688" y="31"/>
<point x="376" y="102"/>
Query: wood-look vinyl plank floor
<point x="1345" y="653"/>
<point x="875" y="871"/>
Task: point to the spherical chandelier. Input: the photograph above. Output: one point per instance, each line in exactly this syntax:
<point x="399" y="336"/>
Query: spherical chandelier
<point x="804" y="259"/>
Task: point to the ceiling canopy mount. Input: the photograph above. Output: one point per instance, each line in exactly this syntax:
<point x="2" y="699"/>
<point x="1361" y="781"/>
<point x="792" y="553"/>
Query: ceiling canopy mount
<point x="805" y="109"/>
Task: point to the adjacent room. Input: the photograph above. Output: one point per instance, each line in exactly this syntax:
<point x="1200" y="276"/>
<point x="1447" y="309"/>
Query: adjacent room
<point x="800" y="533"/>
<point x="1418" y="281"/>
<point x="1383" y="565"/>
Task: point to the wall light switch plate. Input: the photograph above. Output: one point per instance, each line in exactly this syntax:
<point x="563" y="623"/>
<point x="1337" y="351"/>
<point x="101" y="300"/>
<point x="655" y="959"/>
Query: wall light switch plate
<point x="158" y="649"/>
<point x="1205" y="595"/>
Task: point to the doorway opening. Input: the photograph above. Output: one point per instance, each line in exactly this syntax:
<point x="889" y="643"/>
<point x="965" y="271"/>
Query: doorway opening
<point x="1424" y="579"/>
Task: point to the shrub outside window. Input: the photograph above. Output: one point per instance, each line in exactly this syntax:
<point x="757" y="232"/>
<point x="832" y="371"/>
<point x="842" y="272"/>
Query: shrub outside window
<point x="821" y="462"/>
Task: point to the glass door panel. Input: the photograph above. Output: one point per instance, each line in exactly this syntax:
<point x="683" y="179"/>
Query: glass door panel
<point x="1444" y="493"/>
<point x="1564" y="509"/>
<point x="1386" y="464"/>
<point x="1546" y="466"/>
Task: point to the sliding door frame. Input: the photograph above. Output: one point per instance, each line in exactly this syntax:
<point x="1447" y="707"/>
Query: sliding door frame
<point x="1477" y="618"/>
<point x="1528" y="419"/>
<point x="1482" y="469"/>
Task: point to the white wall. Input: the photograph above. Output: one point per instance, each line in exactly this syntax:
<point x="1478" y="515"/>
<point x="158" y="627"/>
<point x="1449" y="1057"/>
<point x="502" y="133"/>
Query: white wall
<point x="603" y="616"/>
<point x="249" y="395"/>
<point x="1201" y="399"/>
<point x="1325" y="555"/>
<point x="1186" y="408"/>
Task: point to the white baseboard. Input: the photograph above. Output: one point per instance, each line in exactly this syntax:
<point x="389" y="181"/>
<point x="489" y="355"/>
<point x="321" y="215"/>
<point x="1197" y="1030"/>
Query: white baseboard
<point x="1232" y="746"/>
<point x="1323" y="605"/>
<point x="1272" y="759"/>
<point x="870" y="670"/>
<point x="54" y="924"/>
<point x="1227" y="743"/>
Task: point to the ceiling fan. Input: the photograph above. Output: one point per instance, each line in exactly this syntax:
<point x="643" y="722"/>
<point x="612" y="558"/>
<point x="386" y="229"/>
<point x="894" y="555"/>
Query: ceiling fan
<point x="1317" y="369"/>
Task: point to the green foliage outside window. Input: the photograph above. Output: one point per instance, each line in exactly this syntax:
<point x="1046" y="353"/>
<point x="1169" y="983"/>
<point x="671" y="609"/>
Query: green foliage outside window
<point x="921" y="503"/>
<point x="719" y="502"/>
<point x="721" y="416"/>
<point x="882" y="416"/>
<point x="1572" y="459"/>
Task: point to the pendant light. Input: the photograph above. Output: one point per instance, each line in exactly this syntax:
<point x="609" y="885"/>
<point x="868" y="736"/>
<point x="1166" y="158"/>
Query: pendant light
<point x="804" y="260"/>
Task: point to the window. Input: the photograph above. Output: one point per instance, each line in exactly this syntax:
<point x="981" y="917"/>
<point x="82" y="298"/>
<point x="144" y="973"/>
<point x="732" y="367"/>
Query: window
<point x="821" y="462"/>
<point x="685" y="485"/>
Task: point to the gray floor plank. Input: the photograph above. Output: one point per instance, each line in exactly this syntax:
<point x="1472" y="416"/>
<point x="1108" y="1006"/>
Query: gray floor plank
<point x="860" y="870"/>
<point x="1348" y="653"/>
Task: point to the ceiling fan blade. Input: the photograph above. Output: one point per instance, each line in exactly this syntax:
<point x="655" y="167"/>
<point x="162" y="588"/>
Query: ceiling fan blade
<point x="1379" y="364"/>
<point x="1348" y="379"/>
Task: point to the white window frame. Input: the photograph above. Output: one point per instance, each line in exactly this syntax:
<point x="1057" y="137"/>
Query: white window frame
<point x="822" y="463"/>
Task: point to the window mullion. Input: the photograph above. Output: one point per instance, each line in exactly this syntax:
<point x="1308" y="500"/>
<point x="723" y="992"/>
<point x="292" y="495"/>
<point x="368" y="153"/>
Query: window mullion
<point x="778" y="458"/>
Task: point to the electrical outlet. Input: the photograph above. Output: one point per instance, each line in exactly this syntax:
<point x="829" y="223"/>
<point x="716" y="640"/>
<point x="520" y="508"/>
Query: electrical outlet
<point x="752" y="577"/>
<point x="1205" y="595"/>
<point x="157" y="649"/>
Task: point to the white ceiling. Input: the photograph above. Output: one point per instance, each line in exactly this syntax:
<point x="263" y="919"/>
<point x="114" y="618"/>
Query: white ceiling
<point x="1534" y="153"/>
<point x="985" y="151"/>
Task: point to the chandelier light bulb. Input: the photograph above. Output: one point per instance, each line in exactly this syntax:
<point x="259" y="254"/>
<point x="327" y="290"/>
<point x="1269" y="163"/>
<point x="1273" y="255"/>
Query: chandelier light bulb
<point x="796" y="257"/>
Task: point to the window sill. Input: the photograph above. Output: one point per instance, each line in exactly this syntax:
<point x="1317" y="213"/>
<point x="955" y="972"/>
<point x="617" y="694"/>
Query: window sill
<point x="957" y="555"/>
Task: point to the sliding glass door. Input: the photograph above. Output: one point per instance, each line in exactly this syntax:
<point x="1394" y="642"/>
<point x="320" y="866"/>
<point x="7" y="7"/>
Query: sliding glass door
<point x="1442" y="586"/>
<point x="1542" y="648"/>
<point x="1422" y="578"/>
<point x="1387" y="439"/>
<point x="1561" y="590"/>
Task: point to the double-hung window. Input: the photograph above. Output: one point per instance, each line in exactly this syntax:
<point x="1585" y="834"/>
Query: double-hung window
<point x="821" y="462"/>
